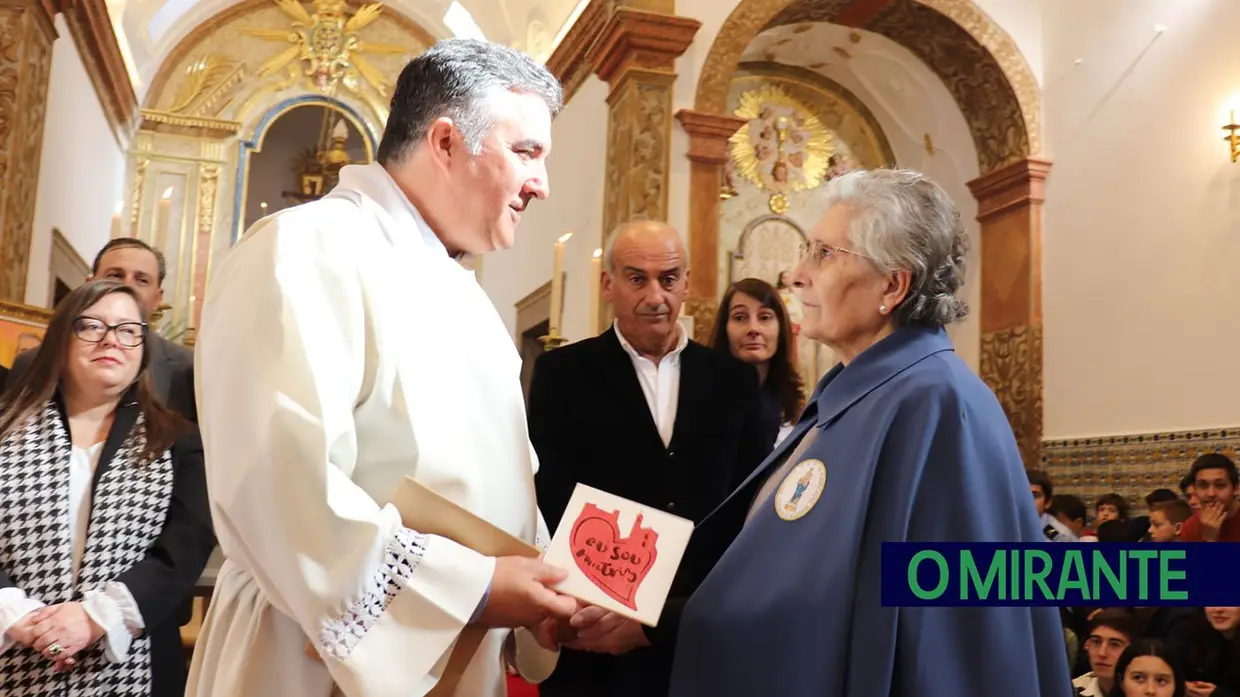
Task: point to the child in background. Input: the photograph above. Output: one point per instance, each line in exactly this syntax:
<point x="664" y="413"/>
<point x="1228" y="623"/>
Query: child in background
<point x="1167" y="520"/>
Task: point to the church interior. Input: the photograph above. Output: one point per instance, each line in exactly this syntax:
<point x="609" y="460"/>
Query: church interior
<point x="1091" y="147"/>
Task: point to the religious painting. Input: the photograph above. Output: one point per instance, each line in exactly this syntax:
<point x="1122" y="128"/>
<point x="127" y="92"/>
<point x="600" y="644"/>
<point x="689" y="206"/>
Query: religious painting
<point x="620" y="555"/>
<point x="21" y="329"/>
<point x="784" y="148"/>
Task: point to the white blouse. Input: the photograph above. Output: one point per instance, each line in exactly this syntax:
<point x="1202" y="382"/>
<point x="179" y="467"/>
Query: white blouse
<point x="111" y="607"/>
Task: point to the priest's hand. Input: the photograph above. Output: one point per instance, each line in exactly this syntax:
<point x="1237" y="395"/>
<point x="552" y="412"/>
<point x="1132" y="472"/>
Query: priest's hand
<point x="521" y="596"/>
<point x="602" y="631"/>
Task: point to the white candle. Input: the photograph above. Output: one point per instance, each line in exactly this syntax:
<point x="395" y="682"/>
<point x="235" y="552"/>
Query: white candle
<point x="163" y="215"/>
<point x="557" y="286"/>
<point x="116" y="219"/>
<point x="596" y="282"/>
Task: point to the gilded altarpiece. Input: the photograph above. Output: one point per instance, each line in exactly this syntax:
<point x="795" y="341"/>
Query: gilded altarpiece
<point x="212" y="102"/>
<point x="801" y="130"/>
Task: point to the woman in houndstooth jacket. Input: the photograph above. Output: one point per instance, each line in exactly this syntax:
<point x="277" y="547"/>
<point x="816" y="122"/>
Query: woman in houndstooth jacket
<point x="104" y="519"/>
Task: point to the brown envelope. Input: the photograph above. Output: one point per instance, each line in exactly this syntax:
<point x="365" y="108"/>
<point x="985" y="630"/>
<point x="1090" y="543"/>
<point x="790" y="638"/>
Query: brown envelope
<point x="428" y="512"/>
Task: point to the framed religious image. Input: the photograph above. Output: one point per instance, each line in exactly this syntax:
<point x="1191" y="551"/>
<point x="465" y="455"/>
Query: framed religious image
<point x="620" y="555"/>
<point x="21" y="329"/>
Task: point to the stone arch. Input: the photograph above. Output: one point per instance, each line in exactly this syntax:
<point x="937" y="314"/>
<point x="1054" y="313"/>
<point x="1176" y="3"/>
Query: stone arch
<point x="978" y="62"/>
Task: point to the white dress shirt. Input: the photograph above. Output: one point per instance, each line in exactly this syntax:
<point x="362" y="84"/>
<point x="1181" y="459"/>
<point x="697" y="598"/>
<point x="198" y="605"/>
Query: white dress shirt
<point x="111" y="607"/>
<point x="660" y="382"/>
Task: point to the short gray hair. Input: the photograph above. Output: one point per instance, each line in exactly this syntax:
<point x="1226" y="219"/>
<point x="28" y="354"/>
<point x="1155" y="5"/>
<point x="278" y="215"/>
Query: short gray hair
<point x="456" y="78"/>
<point x="903" y="220"/>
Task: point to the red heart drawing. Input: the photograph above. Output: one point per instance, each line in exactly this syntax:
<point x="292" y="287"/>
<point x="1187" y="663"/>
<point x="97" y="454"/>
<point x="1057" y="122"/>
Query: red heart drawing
<point x="617" y="566"/>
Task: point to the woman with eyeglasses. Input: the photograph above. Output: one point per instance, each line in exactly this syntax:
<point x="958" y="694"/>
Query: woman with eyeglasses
<point x="104" y="519"/>
<point x="902" y="442"/>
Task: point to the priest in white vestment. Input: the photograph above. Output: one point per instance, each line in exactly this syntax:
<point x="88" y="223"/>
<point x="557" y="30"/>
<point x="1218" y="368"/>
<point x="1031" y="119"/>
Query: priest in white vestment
<point x="342" y="348"/>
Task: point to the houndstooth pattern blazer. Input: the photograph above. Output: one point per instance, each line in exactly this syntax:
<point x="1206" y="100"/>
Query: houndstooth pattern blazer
<point x="128" y="517"/>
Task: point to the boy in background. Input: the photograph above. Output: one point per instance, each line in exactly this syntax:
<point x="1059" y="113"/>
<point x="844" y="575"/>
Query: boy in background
<point x="1167" y="520"/>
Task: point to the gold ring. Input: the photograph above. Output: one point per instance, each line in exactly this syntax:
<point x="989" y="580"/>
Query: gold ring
<point x="55" y="650"/>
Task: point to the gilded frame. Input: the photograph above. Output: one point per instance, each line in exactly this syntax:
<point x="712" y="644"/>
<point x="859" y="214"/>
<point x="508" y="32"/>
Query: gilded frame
<point x="20" y="323"/>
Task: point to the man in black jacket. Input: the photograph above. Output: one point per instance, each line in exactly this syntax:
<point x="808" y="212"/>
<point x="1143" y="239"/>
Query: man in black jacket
<point x="643" y="413"/>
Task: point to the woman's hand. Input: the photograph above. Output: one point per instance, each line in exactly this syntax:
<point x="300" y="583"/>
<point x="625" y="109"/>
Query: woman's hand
<point x="20" y="633"/>
<point x="61" y="631"/>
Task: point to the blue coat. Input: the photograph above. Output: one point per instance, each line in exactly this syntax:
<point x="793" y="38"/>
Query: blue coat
<point x="914" y="448"/>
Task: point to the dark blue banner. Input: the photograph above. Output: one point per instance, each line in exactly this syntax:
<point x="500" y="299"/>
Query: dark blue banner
<point x="1097" y="574"/>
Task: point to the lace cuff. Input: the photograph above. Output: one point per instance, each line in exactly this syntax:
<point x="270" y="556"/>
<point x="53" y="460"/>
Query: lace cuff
<point x="340" y="635"/>
<point x="114" y="609"/>
<point x="14" y="605"/>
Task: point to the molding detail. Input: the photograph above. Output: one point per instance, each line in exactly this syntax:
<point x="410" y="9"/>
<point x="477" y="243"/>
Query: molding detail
<point x="197" y="126"/>
<point x="1010" y="362"/>
<point x="708" y="135"/>
<point x="90" y="25"/>
<point x="1011" y="187"/>
<point x="1132" y="465"/>
<point x="26" y="35"/>
<point x="569" y="62"/>
<point x="636" y="39"/>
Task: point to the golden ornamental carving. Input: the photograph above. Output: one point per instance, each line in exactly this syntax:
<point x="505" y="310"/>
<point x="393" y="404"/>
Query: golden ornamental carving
<point x="208" y="178"/>
<point x="1010" y="362"/>
<point x="25" y="71"/>
<point x="637" y="154"/>
<point x="702" y="310"/>
<point x="135" y="208"/>
<point x="783" y="148"/>
<point x="328" y="44"/>
<point x="205" y="91"/>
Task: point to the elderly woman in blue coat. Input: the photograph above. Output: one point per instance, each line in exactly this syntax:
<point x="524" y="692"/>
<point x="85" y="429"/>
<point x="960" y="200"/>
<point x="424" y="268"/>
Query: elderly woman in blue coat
<point x="900" y="442"/>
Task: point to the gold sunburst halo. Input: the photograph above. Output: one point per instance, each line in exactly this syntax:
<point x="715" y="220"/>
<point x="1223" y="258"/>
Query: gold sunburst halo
<point x="783" y="148"/>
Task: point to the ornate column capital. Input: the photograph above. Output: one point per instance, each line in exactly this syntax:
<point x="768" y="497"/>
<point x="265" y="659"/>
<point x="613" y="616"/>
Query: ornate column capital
<point x="1010" y="187"/>
<point x="708" y="135"/>
<point x="641" y="40"/>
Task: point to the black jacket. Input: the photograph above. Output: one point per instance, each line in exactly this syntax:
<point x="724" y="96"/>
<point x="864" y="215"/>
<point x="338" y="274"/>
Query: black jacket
<point x="590" y="424"/>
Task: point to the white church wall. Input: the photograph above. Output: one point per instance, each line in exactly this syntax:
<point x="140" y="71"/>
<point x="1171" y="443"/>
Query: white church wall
<point x="575" y="169"/>
<point x="1142" y="217"/>
<point x="82" y="169"/>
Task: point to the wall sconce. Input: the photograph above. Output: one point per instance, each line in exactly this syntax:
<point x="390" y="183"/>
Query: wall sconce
<point x="1231" y="137"/>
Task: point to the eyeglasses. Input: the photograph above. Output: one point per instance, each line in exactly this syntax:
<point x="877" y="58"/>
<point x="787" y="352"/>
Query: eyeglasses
<point x="92" y="331"/>
<point x="816" y="252"/>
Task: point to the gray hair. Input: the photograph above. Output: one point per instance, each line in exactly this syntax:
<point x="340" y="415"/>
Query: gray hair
<point x="456" y="78"/>
<point x="903" y="220"/>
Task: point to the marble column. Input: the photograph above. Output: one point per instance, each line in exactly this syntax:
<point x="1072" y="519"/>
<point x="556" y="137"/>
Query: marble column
<point x="26" y="36"/>
<point x="1010" y="212"/>
<point x="708" y="153"/>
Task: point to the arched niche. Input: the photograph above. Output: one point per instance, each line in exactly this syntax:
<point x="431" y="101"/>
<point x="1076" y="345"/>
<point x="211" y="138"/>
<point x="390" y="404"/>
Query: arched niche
<point x="253" y="145"/>
<point x="213" y="98"/>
